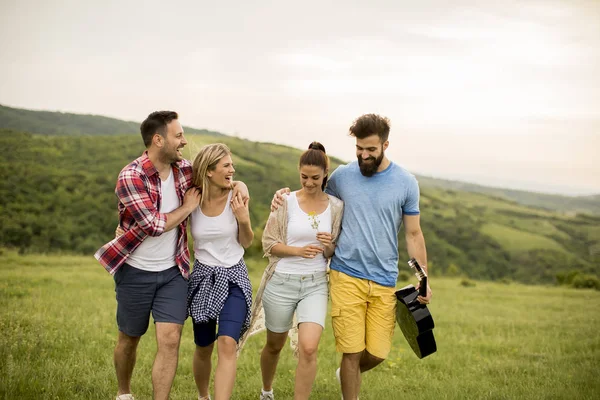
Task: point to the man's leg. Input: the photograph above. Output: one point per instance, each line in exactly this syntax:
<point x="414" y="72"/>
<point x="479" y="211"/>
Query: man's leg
<point x="134" y="292"/>
<point x="124" y="359"/>
<point x="169" y="311"/>
<point x="350" y="375"/>
<point x="348" y="316"/>
<point x="353" y="365"/>
<point x="380" y="320"/>
<point x="168" y="336"/>
<point x="369" y="361"/>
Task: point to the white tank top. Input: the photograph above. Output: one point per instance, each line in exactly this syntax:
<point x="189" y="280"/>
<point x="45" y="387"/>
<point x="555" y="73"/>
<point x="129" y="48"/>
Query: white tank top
<point x="157" y="253"/>
<point x="216" y="238"/>
<point x="302" y="230"/>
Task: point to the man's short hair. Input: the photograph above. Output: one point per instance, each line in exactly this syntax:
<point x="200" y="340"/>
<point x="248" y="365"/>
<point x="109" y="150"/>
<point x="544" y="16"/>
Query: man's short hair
<point x="156" y="123"/>
<point x="371" y="124"/>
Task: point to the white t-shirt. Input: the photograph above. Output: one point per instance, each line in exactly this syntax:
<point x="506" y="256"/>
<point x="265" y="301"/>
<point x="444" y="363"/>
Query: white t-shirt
<point x="157" y="253"/>
<point x="216" y="238"/>
<point x="302" y="230"/>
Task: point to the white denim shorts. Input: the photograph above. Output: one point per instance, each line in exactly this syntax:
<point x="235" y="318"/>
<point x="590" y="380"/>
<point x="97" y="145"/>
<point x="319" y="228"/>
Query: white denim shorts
<point x="285" y="294"/>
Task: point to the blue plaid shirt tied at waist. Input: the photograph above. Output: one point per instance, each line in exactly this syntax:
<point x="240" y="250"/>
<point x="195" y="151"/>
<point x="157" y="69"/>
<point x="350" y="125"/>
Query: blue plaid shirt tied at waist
<point x="209" y="287"/>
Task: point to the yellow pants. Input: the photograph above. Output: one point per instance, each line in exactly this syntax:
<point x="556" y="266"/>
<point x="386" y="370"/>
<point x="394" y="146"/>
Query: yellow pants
<point x="363" y="314"/>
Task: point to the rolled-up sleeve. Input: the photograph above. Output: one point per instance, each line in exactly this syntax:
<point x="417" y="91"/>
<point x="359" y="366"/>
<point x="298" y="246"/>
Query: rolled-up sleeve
<point x="133" y="194"/>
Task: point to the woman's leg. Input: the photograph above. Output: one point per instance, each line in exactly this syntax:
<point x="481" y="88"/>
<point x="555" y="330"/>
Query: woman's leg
<point x="311" y="313"/>
<point x="270" y="356"/>
<point x="226" y="367"/>
<point x="309" y="334"/>
<point x="204" y="337"/>
<point x="279" y="302"/>
<point x="231" y="321"/>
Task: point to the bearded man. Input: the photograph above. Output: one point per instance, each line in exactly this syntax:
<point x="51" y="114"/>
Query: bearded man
<point x="379" y="195"/>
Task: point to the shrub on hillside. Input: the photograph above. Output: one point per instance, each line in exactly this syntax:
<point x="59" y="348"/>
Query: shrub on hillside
<point x="467" y="283"/>
<point x="453" y="270"/>
<point x="586" y="281"/>
<point x="566" y="277"/>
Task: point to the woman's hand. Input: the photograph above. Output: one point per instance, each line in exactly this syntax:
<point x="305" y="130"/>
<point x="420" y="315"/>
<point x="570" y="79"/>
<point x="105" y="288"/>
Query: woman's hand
<point x="119" y="231"/>
<point x="240" y="209"/>
<point x="191" y="199"/>
<point x="326" y="240"/>
<point x="309" y="251"/>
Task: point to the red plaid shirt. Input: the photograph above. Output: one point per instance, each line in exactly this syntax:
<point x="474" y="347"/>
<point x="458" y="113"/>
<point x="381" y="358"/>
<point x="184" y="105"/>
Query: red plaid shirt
<point x="138" y="190"/>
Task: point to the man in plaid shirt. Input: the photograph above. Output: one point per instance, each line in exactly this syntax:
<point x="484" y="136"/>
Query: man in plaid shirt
<point x="150" y="260"/>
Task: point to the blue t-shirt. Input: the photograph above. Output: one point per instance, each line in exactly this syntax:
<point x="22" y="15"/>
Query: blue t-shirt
<point x="373" y="207"/>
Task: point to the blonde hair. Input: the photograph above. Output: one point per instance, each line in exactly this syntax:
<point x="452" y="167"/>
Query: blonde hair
<point x="207" y="160"/>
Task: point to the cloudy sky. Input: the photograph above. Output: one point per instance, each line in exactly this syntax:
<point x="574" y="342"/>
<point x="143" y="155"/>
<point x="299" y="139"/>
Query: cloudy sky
<point x="503" y="93"/>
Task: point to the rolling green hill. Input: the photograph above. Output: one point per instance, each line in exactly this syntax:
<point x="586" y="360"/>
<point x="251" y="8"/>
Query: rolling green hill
<point x="57" y="195"/>
<point x="565" y="204"/>
<point x="57" y="123"/>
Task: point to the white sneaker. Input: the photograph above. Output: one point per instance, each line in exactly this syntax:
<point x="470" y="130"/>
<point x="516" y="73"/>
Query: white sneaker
<point x="127" y="396"/>
<point x="339" y="379"/>
<point x="204" y="398"/>
<point x="267" y="396"/>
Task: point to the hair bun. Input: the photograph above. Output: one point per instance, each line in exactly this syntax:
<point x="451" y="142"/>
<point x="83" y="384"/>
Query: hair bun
<point x="317" y="146"/>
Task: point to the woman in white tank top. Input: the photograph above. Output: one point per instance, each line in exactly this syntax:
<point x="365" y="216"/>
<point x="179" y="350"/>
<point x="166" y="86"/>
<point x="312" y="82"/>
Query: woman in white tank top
<point x="219" y="290"/>
<point x="299" y="239"/>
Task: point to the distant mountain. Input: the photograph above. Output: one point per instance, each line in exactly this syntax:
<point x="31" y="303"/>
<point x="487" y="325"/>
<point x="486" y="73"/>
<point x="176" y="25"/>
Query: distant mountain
<point x="565" y="204"/>
<point x="58" y="123"/>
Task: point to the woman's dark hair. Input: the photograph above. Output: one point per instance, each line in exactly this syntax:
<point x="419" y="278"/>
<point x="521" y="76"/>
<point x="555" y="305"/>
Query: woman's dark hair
<point x="156" y="123"/>
<point x="315" y="155"/>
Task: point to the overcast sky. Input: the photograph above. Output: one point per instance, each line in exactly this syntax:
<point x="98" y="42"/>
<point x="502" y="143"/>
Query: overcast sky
<point x="503" y="93"/>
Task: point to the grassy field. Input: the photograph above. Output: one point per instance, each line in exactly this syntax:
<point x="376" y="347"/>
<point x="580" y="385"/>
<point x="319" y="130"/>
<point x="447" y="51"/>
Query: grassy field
<point x="494" y="342"/>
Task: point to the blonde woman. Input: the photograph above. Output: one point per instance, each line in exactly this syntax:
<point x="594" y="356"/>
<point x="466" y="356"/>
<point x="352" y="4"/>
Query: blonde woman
<point x="299" y="239"/>
<point x="219" y="291"/>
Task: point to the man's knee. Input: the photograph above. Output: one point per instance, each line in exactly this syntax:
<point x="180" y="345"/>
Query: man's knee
<point x="352" y="358"/>
<point x="168" y="337"/>
<point x="371" y="359"/>
<point x="127" y="343"/>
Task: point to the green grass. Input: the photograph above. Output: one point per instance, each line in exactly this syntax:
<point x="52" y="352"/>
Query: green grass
<point x="494" y="342"/>
<point x="517" y="241"/>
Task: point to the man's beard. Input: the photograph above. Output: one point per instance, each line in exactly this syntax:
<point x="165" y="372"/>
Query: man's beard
<point x="369" y="168"/>
<point x="170" y="156"/>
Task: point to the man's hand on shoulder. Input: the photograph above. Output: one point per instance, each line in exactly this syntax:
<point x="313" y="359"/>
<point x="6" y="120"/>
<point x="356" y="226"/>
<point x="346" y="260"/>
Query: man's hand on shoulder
<point x="278" y="198"/>
<point x="191" y="199"/>
<point x="240" y="191"/>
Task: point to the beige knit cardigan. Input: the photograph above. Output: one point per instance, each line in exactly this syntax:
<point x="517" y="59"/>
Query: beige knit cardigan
<point x="276" y="232"/>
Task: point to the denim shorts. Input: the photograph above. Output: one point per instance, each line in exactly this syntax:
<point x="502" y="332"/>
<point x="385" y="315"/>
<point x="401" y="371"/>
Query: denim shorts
<point x="307" y="295"/>
<point x="139" y="293"/>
